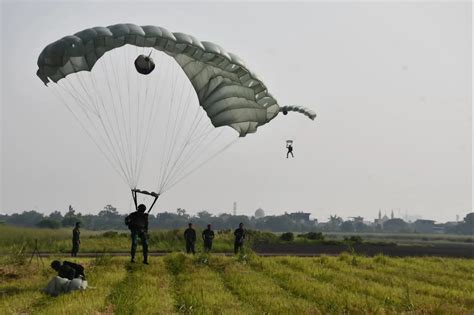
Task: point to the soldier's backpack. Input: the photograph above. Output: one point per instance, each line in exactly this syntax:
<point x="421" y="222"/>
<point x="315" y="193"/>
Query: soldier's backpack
<point x="128" y="221"/>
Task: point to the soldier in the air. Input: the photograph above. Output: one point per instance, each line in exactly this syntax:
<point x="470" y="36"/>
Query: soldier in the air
<point x="190" y="238"/>
<point x="207" y="237"/>
<point x="137" y="222"/>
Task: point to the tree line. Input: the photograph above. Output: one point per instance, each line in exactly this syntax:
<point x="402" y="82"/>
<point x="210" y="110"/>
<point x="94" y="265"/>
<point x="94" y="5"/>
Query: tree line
<point x="110" y="219"/>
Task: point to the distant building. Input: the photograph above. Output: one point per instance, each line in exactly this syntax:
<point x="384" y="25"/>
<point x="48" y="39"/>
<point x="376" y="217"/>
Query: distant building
<point x="424" y="226"/>
<point x="451" y="223"/>
<point x="301" y="217"/>
<point x="381" y="220"/>
<point x="439" y="228"/>
<point x="259" y="213"/>
<point x="357" y="219"/>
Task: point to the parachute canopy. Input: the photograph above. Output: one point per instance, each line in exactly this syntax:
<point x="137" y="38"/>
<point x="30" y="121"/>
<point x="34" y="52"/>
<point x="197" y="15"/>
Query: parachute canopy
<point x="229" y="92"/>
<point x="121" y="114"/>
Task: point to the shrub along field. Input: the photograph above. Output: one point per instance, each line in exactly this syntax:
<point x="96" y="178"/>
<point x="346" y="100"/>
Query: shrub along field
<point x="246" y="284"/>
<point x="16" y="239"/>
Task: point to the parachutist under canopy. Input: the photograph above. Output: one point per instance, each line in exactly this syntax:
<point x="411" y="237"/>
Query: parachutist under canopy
<point x="289" y="146"/>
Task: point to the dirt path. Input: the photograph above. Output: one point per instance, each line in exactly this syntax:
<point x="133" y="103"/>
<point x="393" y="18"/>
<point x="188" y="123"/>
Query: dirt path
<point x="311" y="250"/>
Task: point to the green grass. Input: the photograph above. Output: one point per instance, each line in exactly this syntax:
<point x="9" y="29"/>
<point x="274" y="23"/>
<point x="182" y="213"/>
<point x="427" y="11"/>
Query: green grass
<point x="16" y="239"/>
<point x="59" y="241"/>
<point x="246" y="284"/>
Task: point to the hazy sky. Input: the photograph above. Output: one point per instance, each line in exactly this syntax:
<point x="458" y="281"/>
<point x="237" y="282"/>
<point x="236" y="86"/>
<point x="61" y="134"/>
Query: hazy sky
<point x="390" y="82"/>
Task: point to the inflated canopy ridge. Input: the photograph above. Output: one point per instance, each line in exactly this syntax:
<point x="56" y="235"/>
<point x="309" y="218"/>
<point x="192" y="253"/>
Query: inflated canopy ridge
<point x="229" y="92"/>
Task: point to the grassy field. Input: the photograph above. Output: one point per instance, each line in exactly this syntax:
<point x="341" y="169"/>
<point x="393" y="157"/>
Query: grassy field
<point x="14" y="239"/>
<point x="201" y="284"/>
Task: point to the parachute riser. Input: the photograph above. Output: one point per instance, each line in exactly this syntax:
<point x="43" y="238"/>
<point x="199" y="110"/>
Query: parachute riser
<point x="144" y="192"/>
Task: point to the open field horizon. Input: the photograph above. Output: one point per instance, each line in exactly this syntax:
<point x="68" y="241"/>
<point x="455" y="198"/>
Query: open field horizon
<point x="51" y="242"/>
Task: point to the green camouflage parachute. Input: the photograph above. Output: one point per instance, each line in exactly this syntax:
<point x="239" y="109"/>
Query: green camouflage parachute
<point x="229" y="92"/>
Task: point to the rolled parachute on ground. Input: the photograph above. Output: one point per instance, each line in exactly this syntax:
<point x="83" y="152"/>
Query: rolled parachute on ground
<point x="229" y="93"/>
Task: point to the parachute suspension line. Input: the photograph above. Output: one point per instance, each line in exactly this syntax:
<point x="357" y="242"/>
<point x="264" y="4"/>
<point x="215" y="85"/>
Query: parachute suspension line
<point x="177" y="161"/>
<point x="141" y="108"/>
<point x="121" y="160"/>
<point x="191" y="132"/>
<point x="202" y="163"/>
<point x="58" y="94"/>
<point x="130" y="115"/>
<point x="184" y="163"/>
<point x="116" y="129"/>
<point x="147" y="111"/>
<point x="89" y="96"/>
<point x="109" y="131"/>
<point x="176" y="131"/>
<point x="77" y="96"/>
<point x="198" y="146"/>
<point x="126" y="137"/>
<point x="153" y="114"/>
<point x="83" y="107"/>
<point x="127" y="79"/>
<point x="166" y="138"/>
<point x="122" y="127"/>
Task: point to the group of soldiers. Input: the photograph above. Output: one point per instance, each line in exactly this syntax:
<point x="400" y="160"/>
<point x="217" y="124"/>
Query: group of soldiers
<point x="208" y="237"/>
<point x="137" y="222"/>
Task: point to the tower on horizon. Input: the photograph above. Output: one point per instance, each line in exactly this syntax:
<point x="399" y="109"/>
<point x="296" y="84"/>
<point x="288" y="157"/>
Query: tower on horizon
<point x="235" y="208"/>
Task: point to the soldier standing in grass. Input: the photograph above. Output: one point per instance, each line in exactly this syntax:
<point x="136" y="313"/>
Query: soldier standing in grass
<point x="207" y="237"/>
<point x="239" y="234"/>
<point x="76" y="241"/>
<point x="190" y="238"/>
<point x="137" y="222"/>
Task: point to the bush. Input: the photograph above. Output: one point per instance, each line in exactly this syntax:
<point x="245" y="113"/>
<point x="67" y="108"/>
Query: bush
<point x="17" y="256"/>
<point x="313" y="236"/>
<point x="353" y="239"/>
<point x="49" y="224"/>
<point x="70" y="221"/>
<point x="110" y="234"/>
<point x="176" y="263"/>
<point x="380" y="259"/>
<point x="288" y="237"/>
<point x="102" y="260"/>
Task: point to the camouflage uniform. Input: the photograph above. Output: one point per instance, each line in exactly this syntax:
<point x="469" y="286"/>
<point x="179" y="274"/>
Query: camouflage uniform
<point x="207" y="236"/>
<point x="76" y="233"/>
<point x="190" y="238"/>
<point x="138" y="225"/>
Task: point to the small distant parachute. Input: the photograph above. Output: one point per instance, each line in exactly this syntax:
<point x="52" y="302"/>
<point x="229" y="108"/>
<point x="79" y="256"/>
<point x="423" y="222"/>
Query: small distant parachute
<point x="144" y="64"/>
<point x="199" y="89"/>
